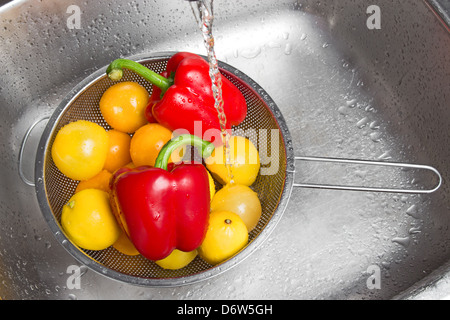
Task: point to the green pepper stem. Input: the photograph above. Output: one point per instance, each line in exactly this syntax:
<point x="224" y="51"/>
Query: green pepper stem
<point x="205" y="147"/>
<point x="115" y="73"/>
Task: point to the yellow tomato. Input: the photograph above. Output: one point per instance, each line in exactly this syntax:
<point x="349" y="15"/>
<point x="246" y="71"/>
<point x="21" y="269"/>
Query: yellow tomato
<point x="123" y="106"/>
<point x="212" y="185"/>
<point x="177" y="259"/>
<point x="99" y="181"/>
<point x="119" y="150"/>
<point x="125" y="246"/>
<point x="147" y="142"/>
<point x="88" y="220"/>
<point x="244" y="160"/>
<point x="130" y="165"/>
<point x="79" y="150"/>
<point x="241" y="200"/>
<point x="226" y="235"/>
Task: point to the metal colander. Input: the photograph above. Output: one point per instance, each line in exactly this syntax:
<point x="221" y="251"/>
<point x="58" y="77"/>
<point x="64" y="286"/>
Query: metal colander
<point x="54" y="189"/>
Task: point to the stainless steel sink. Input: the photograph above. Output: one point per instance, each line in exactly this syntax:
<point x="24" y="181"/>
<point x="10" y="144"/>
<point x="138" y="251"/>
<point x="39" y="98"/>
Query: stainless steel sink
<point x="346" y="91"/>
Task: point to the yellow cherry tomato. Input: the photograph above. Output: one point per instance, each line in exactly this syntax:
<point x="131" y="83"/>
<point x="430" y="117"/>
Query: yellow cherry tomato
<point x="130" y="165"/>
<point x="177" y="259"/>
<point x="123" y="106"/>
<point x="88" y="220"/>
<point x="79" y="150"/>
<point x="125" y="246"/>
<point x="226" y="235"/>
<point x="147" y="142"/>
<point x="99" y="181"/>
<point x="119" y="150"/>
<point x="244" y="160"/>
<point x="241" y="200"/>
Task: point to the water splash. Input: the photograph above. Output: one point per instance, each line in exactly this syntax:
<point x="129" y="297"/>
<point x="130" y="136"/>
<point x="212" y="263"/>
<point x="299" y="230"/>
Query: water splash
<point x="204" y="14"/>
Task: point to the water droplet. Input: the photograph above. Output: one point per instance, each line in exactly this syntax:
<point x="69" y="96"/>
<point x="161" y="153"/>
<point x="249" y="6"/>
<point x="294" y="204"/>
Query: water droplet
<point x="385" y="156"/>
<point x="375" y="136"/>
<point x="251" y="53"/>
<point x="303" y="36"/>
<point x="374" y="125"/>
<point x="72" y="297"/>
<point x="273" y="44"/>
<point x="414" y="230"/>
<point x="288" y="49"/>
<point x="361" y="173"/>
<point x="325" y="45"/>
<point x="351" y="103"/>
<point x="343" y="110"/>
<point x="413" y="211"/>
<point x="83" y="270"/>
<point x="362" y="123"/>
<point x="402" y="241"/>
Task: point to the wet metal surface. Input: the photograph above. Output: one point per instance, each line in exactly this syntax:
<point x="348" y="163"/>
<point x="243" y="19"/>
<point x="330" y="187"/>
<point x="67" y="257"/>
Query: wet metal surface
<point x="345" y="91"/>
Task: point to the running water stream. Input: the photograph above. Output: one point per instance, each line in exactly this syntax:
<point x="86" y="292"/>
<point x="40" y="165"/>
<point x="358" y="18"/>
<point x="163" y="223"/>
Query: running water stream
<point x="203" y="12"/>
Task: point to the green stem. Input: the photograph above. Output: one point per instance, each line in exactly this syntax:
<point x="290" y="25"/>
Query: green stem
<point x="205" y="147"/>
<point x="115" y="73"/>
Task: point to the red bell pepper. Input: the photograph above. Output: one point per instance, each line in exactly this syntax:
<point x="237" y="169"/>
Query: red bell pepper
<point x="161" y="210"/>
<point x="184" y="95"/>
<point x="154" y="98"/>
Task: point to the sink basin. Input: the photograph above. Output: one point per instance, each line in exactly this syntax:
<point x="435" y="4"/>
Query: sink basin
<point x="347" y="89"/>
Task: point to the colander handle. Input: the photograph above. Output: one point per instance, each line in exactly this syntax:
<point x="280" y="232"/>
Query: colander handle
<point x="371" y="163"/>
<point x="22" y="148"/>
